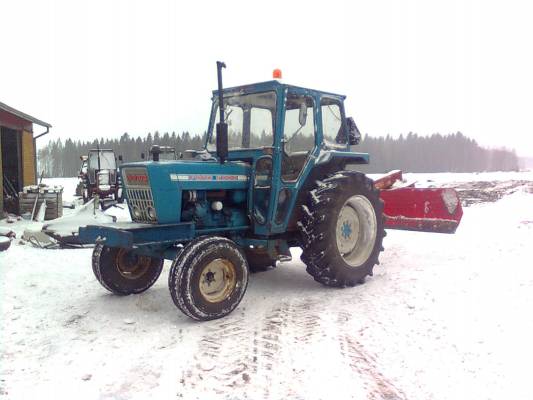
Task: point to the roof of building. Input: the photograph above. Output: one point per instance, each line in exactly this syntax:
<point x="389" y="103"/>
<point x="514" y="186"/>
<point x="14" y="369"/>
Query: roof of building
<point x="24" y="116"/>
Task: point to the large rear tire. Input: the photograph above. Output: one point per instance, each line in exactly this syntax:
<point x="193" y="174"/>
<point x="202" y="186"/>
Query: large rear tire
<point x="208" y="278"/>
<point x="122" y="272"/>
<point x="342" y="229"/>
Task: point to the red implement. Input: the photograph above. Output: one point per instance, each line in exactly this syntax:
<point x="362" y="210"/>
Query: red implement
<point x="420" y="209"/>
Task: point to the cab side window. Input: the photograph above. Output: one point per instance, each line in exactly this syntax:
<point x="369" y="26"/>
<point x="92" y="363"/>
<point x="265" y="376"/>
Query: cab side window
<point x="332" y="127"/>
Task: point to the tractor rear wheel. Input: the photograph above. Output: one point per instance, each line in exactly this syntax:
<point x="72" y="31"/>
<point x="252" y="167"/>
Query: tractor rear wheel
<point x="208" y="278"/>
<point x="342" y="229"/>
<point x="122" y="272"/>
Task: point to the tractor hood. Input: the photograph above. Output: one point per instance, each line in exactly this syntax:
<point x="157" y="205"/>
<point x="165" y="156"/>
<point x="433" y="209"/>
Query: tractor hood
<point x="189" y="174"/>
<point x="166" y="180"/>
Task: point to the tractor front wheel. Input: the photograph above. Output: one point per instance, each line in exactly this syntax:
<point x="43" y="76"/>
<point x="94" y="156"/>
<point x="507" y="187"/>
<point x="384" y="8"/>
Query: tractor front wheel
<point x="208" y="278"/>
<point x="342" y="229"/>
<point x="122" y="272"/>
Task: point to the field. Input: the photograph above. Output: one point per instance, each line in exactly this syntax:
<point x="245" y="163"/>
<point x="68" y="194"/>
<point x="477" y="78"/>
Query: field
<point x="443" y="317"/>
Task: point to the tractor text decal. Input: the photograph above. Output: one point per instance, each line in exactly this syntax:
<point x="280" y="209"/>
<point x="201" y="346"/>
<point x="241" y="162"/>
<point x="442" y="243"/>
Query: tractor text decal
<point x="208" y="177"/>
<point x="137" y="179"/>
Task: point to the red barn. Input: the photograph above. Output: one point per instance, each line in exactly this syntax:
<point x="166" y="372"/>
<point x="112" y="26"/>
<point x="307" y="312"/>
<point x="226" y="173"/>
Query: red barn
<point x="18" y="159"/>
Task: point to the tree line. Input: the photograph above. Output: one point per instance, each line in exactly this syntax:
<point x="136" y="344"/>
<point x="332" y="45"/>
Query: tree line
<point x="410" y="153"/>
<point x="435" y="153"/>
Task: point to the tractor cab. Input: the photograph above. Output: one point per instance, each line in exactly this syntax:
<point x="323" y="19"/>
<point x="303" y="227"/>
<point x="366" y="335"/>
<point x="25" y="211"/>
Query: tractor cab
<point x="282" y="132"/>
<point x="99" y="175"/>
<point x="161" y="153"/>
<point x="101" y="166"/>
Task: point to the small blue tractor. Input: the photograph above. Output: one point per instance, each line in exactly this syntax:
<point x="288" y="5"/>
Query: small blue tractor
<point x="277" y="171"/>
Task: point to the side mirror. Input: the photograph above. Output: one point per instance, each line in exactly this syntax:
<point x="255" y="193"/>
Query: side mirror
<point x="120" y="158"/>
<point x="143" y="156"/>
<point x="302" y="117"/>
<point x="354" y="136"/>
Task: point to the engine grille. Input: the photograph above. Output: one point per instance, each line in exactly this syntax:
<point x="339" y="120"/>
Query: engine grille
<point x="139" y="194"/>
<point x="140" y="199"/>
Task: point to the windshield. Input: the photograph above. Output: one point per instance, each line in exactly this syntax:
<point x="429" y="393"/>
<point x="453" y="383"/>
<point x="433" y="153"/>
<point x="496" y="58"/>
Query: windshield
<point x="107" y="160"/>
<point x="250" y="120"/>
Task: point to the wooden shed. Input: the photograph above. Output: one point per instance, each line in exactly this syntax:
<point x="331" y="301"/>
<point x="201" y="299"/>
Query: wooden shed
<point x="18" y="158"/>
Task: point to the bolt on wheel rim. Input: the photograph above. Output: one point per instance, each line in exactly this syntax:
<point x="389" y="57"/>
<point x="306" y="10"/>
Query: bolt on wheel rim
<point x="131" y="266"/>
<point x="217" y="280"/>
<point x="356" y="230"/>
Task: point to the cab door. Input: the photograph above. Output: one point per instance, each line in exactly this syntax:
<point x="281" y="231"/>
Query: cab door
<point x="295" y="157"/>
<point x="260" y="196"/>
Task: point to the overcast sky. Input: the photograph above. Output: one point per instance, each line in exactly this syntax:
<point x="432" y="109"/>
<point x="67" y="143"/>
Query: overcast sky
<point x="102" y="68"/>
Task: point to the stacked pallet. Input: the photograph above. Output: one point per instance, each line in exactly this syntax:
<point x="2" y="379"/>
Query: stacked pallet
<point x="53" y="195"/>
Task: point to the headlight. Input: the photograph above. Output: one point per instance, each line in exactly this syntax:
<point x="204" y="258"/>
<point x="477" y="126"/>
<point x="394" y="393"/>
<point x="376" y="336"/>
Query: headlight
<point x="136" y="211"/>
<point x="151" y="213"/>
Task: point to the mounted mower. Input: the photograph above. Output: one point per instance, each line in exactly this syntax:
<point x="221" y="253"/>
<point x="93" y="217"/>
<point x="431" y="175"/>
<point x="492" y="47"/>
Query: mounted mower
<point x="276" y="172"/>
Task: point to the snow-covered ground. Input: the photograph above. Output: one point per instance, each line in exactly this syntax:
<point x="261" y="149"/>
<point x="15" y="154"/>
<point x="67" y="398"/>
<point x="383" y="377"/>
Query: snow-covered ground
<point x="443" y="317"/>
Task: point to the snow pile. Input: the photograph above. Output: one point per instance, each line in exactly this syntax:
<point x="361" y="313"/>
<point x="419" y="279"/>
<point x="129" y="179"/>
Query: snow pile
<point x="88" y="214"/>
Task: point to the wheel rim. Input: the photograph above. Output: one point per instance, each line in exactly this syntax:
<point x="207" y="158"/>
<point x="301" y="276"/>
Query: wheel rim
<point x="356" y="230"/>
<point x="132" y="266"/>
<point x="217" y="280"/>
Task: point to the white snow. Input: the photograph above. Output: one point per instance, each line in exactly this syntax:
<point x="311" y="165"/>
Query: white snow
<point x="81" y="215"/>
<point x="443" y="317"/>
<point x="87" y="214"/>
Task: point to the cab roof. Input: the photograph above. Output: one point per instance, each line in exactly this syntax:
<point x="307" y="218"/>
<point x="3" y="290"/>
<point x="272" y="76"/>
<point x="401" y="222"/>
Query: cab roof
<point x="274" y="85"/>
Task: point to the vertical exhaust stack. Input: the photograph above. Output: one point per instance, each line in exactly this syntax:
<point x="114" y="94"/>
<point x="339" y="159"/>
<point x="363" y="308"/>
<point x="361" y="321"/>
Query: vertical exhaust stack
<point x="222" y="126"/>
<point x="155" y="150"/>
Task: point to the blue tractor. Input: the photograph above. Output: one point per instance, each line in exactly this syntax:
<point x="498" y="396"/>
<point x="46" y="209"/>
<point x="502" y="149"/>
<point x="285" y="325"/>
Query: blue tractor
<point x="274" y="174"/>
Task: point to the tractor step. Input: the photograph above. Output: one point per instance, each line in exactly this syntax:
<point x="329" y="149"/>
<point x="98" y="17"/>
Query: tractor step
<point x="419" y="209"/>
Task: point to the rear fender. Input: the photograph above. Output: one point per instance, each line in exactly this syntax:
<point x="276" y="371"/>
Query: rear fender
<point x="345" y="157"/>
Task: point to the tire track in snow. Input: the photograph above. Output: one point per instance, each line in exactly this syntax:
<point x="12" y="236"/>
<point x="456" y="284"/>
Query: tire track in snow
<point x="239" y="358"/>
<point x="364" y="367"/>
<point x="275" y="376"/>
<point x="224" y="356"/>
<point x="279" y="355"/>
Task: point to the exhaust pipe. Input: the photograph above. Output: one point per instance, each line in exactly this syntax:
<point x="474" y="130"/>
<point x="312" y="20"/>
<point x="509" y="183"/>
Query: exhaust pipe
<point x="222" y="126"/>
<point x="155" y="150"/>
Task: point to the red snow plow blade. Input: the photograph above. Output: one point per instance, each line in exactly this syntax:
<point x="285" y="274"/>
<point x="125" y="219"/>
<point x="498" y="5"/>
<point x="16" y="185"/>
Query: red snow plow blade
<point x="427" y="210"/>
